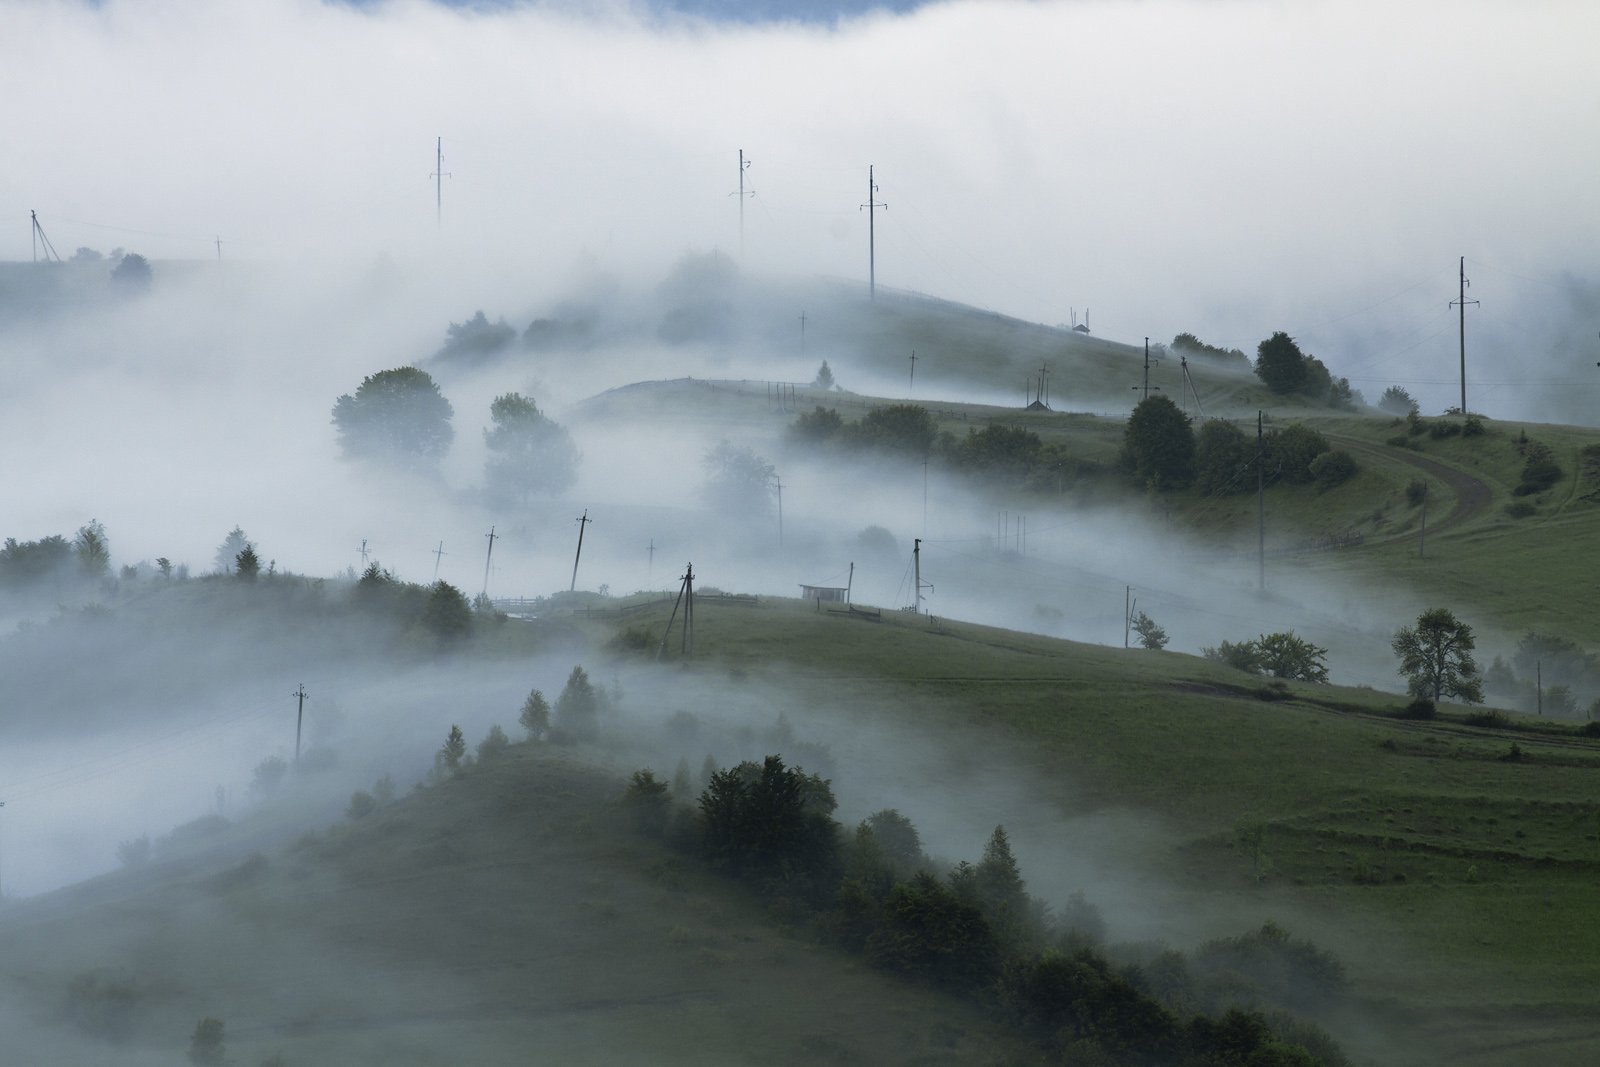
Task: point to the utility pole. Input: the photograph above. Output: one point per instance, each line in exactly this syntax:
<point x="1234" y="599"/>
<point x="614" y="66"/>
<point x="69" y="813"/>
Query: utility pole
<point x="744" y="165"/>
<point x="439" y="175"/>
<point x="1462" y="302"/>
<point x="487" y="557"/>
<point x="1127" y="612"/>
<point x="912" y="387"/>
<point x="219" y="248"/>
<point x="40" y="240"/>
<point x="1261" y="513"/>
<point x="299" y="718"/>
<point x="916" y="563"/>
<point x="582" y="521"/>
<point x="438" y="554"/>
<point x="650" y="573"/>
<point x="363" y="553"/>
<point x="686" y="599"/>
<point x="849" y="583"/>
<point x="872" y="205"/>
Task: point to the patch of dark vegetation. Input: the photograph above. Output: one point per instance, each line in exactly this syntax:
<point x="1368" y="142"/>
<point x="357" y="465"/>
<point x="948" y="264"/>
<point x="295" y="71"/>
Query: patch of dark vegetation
<point x="974" y="932"/>
<point x="1540" y="470"/>
<point x="1421" y="708"/>
<point x="1520" y="509"/>
<point x="1491" y="720"/>
<point x="1590" y="729"/>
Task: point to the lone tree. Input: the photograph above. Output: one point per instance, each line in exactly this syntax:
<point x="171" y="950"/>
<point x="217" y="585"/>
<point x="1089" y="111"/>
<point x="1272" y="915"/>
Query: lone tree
<point x="1151" y="633"/>
<point x="578" y="706"/>
<point x="1436" y="658"/>
<point x="1158" y="444"/>
<point x="535" y="717"/>
<point x="207" y="1046"/>
<point x="132" y="273"/>
<point x="738" y="480"/>
<point x="227" y="555"/>
<point x="396" y="416"/>
<point x="93" y="550"/>
<point x="528" y="452"/>
<point x="1396" y="401"/>
<point x="1281" y="365"/>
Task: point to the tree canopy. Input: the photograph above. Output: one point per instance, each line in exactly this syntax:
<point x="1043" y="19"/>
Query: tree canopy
<point x="528" y="452"/>
<point x="1158" y="444"/>
<point x="396" y="416"/>
<point x="738" y="480"/>
<point x="1436" y="657"/>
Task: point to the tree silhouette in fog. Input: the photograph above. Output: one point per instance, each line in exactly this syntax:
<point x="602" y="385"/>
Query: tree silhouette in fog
<point x="396" y="416"/>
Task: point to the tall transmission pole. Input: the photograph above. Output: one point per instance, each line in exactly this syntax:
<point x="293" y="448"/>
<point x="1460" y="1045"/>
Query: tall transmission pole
<point x="487" y="557"/>
<point x="777" y="483"/>
<point x="802" y="331"/>
<point x="912" y="386"/>
<point x="744" y="165"/>
<point x="582" y="521"/>
<point x="1462" y="302"/>
<point x="871" y="206"/>
<point x="299" y="717"/>
<point x="1261" y="512"/>
<point x="438" y="554"/>
<point x="40" y="240"/>
<point x="439" y="175"/>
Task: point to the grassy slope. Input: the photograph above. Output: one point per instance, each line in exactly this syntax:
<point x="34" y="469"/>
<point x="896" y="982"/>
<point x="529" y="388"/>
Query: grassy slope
<point x="1457" y="883"/>
<point x="489" y="918"/>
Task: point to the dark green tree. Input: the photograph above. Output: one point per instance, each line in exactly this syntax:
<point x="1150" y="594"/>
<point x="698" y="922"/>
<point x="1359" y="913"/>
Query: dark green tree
<point x="824" y="378"/>
<point x="493" y="745"/>
<point x="928" y="932"/>
<point x="93" y="550"/>
<point x="1158" y="444"/>
<point x="1281" y="365"/>
<point x="903" y="429"/>
<point x="535" y="716"/>
<point x="27" y="563"/>
<point x="1290" y="451"/>
<point x="528" y="452"/>
<point x="896" y="837"/>
<point x="1151" y="634"/>
<point x="207" y="1046"/>
<point x="132" y="273"/>
<point x="449" y="757"/>
<point x="816" y="427"/>
<point x="1436" y="657"/>
<point x="578" y="706"/>
<point x="765" y="819"/>
<point x="1284" y="655"/>
<point x="476" y="339"/>
<point x="1224" y="458"/>
<point x="1396" y="401"/>
<point x="396" y="416"/>
<point x="247" y="565"/>
<point x="1001" y="894"/>
<point x="447" y="614"/>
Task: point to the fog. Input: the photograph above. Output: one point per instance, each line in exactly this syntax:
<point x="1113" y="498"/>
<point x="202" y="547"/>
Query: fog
<point x="1226" y="169"/>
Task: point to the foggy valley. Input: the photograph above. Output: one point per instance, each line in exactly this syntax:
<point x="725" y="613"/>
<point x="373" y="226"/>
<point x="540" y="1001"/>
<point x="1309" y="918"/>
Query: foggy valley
<point x="377" y="373"/>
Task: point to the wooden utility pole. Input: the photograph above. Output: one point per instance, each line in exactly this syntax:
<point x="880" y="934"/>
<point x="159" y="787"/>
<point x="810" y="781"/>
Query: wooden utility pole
<point x="486" y="558"/>
<point x="777" y="483"/>
<point x="913" y="385"/>
<point x="438" y="555"/>
<point x="299" y="718"/>
<point x="439" y="175"/>
<point x="872" y="205"/>
<point x="802" y="331"/>
<point x="686" y="599"/>
<point x="1261" y="512"/>
<point x="744" y="165"/>
<point x="582" y="521"/>
<point x="1462" y="302"/>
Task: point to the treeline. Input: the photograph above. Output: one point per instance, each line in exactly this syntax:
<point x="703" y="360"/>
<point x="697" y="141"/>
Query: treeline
<point x="1162" y="450"/>
<point x="1007" y="455"/>
<point x="974" y="931"/>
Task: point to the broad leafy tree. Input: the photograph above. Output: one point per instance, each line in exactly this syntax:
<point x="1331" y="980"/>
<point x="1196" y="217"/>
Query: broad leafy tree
<point x="132" y="273"/>
<point x="907" y="429"/>
<point x="1158" y="444"/>
<point x="738" y="481"/>
<point x="92" y="549"/>
<point x="1151" y="633"/>
<point x="1284" y="655"/>
<point x="1436" y="657"/>
<point x="447" y="614"/>
<point x="1396" y="401"/>
<point x="1281" y="365"/>
<point x="528" y="452"/>
<point x="395" y="416"/>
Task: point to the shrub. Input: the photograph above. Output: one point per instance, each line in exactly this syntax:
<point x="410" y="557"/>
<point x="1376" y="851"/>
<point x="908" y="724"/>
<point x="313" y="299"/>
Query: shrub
<point x="1416" y="492"/>
<point x="1538" y="474"/>
<point x="362" y="804"/>
<point x="1443" y="429"/>
<point x="648" y="801"/>
<point x="493" y="745"/>
<point x="1420" y="708"/>
<point x="1472" y="426"/>
<point x="1520" y="509"/>
<point x="1333" y="468"/>
<point x="1487" y="719"/>
<point x="1590" y="729"/>
<point x="134" y="853"/>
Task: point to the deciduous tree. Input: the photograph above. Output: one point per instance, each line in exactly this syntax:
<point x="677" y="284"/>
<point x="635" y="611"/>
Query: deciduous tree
<point x="528" y="452"/>
<point x="1436" y="657"/>
<point x="1158" y="444"/>
<point x="396" y="416"/>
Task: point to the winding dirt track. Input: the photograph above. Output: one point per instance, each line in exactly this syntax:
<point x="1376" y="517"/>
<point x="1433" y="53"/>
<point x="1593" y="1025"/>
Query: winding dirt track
<point x="1472" y="494"/>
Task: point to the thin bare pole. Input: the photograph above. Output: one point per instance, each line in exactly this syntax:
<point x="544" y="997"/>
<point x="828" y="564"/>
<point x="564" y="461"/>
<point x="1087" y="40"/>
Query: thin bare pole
<point x="582" y="521"/>
<point x="1462" y="303"/>
<point x="872" y="205"/>
<point x="486" y="558"/>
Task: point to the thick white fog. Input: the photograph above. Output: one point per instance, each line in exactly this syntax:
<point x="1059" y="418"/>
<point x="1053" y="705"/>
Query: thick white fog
<point x="1223" y="168"/>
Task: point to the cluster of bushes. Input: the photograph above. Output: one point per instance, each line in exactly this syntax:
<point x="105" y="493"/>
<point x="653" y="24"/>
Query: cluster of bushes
<point x="1279" y="655"/>
<point x="1294" y="454"/>
<point x="1190" y="345"/>
<point x="1540" y="470"/>
<point x="974" y="931"/>
<point x="1286" y="370"/>
<point x="999" y="453"/>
